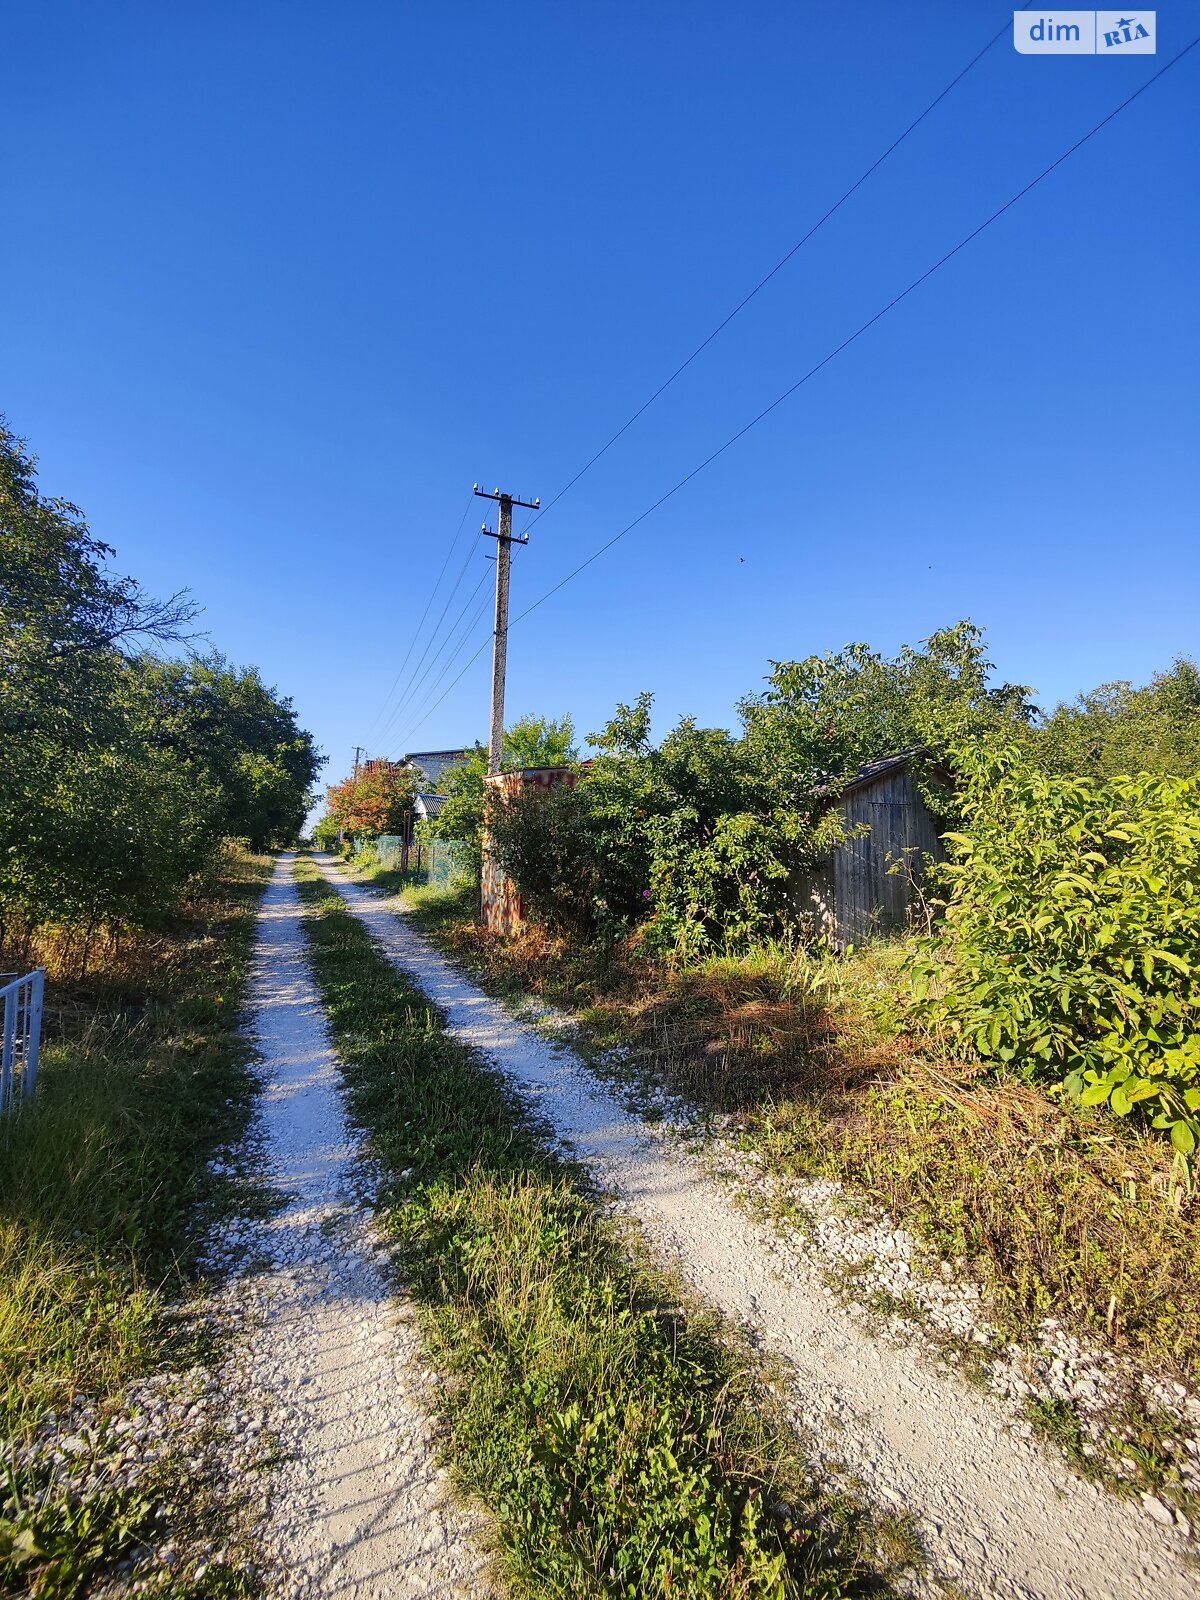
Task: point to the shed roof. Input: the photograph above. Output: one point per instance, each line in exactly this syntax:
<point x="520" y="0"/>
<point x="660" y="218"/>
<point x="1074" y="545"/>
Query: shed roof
<point x="872" y="771"/>
<point x="415" y="757"/>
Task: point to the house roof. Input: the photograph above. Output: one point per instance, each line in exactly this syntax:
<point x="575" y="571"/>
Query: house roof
<point x="417" y="756"/>
<point x="428" y="805"/>
<point x="870" y="770"/>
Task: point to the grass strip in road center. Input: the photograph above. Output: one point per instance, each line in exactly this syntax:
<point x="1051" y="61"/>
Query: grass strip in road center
<point x="621" y="1445"/>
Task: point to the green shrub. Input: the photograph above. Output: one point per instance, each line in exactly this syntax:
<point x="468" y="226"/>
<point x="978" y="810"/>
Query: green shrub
<point x="1117" y="728"/>
<point x="1071" y="943"/>
<point x="700" y="837"/>
<point x="325" y="832"/>
<point x="544" y="841"/>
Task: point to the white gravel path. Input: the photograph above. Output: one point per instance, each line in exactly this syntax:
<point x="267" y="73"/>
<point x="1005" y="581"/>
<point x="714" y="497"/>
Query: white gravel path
<point x="999" y="1515"/>
<point x="358" y="1508"/>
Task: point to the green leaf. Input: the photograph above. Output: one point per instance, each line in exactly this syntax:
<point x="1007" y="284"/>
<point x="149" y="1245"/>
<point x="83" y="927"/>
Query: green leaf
<point x="1094" y="1095"/>
<point x="1172" y="961"/>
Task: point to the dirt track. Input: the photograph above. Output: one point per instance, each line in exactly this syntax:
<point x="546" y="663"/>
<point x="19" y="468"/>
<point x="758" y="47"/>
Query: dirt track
<point x="999" y="1515"/>
<point x="357" y="1506"/>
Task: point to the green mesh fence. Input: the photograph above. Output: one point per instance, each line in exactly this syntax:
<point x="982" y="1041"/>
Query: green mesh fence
<point x="436" y="861"/>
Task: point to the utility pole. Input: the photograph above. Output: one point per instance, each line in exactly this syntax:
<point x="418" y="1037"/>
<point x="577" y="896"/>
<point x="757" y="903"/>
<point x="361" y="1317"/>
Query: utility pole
<point x="358" y="750"/>
<point x="504" y="543"/>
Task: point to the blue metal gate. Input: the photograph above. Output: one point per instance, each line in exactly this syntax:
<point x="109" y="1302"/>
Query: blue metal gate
<point x="21" y="1024"/>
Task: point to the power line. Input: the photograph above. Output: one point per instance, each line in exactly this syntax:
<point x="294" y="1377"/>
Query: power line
<point x="427" y="713"/>
<point x="703" y="345"/>
<point x="858" y="332"/>
<point x="410" y="689"/>
<point x="836" y="351"/>
<point x="777" y="268"/>
<point x="417" y="631"/>
<point x="431" y="683"/>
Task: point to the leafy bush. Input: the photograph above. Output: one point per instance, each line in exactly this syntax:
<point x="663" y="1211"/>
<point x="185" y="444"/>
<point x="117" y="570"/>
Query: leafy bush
<point x="824" y="716"/>
<point x="325" y="832"/>
<point x="375" y="800"/>
<point x="700" y="838"/>
<point x="529" y="742"/>
<point x="661" y="832"/>
<point x="1071" y="944"/>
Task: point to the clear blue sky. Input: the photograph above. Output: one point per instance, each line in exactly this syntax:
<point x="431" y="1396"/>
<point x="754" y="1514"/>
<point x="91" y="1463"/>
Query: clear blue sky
<point x="282" y="279"/>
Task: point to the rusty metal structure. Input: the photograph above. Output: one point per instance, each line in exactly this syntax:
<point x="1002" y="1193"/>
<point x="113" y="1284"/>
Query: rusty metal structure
<point x="501" y="910"/>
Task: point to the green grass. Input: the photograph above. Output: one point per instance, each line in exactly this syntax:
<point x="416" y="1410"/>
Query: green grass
<point x="429" y="907"/>
<point x="104" y="1197"/>
<point x="622" y="1445"/>
<point x="1055" y="1211"/>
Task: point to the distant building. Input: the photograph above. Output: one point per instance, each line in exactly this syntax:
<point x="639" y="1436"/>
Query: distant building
<point x="434" y="762"/>
<point x="427" y="806"/>
<point x="379" y="764"/>
<point x="424" y="808"/>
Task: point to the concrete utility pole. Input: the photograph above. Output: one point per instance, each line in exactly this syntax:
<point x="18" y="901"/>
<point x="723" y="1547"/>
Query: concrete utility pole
<point x="358" y="750"/>
<point x="504" y="543"/>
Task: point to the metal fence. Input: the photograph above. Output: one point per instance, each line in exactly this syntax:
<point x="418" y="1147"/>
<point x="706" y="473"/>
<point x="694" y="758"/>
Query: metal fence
<point x="21" y="999"/>
<point x="391" y="852"/>
<point x="436" y="861"/>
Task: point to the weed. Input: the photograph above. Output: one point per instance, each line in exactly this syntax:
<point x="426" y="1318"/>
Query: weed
<point x="1050" y="1208"/>
<point x="55" y="1545"/>
<point x="1059" y="1421"/>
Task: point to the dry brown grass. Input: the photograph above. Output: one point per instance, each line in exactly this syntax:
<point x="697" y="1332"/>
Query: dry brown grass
<point x="1057" y="1211"/>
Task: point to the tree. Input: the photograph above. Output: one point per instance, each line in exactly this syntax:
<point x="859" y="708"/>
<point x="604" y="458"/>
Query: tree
<point x="246" y="736"/>
<point x="375" y="800"/>
<point x="823" y="717"/>
<point x="704" y="834"/>
<point x="80" y="794"/>
<point x="119" y="772"/>
<point x="62" y="615"/>
<point x="1119" y="729"/>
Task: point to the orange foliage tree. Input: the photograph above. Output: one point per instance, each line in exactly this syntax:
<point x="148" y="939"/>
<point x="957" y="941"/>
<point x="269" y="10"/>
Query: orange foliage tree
<point x="373" y="802"/>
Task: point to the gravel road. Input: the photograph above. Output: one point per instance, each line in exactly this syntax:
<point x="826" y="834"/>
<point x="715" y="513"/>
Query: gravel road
<point x="357" y="1506"/>
<point x="999" y="1515"/>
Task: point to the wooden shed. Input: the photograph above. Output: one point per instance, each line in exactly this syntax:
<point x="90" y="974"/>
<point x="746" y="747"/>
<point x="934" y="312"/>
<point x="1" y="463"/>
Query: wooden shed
<point x="866" y="886"/>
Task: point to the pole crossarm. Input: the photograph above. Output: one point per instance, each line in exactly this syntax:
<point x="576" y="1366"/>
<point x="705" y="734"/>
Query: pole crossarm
<point x="512" y="499"/>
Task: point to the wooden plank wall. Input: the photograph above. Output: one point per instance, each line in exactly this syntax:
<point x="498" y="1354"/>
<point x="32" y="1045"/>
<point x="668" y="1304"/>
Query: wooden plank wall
<point x="855" y="894"/>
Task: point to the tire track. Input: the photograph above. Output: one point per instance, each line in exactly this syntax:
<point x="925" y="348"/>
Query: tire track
<point x="357" y="1507"/>
<point x="1000" y="1516"/>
